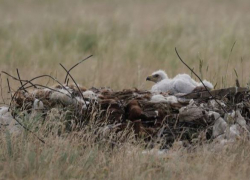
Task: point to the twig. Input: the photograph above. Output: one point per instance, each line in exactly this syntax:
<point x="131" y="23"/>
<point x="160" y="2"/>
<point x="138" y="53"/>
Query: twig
<point x="67" y="82"/>
<point x="20" y="79"/>
<point x="48" y="80"/>
<point x="1" y="88"/>
<point x="32" y="85"/>
<point x="29" y="81"/>
<point x="242" y="71"/>
<point x="39" y="85"/>
<point x="230" y="56"/>
<point x="8" y="82"/>
<point x="75" y="84"/>
<point x="13" y="77"/>
<point x="74" y="67"/>
<point x="200" y="80"/>
<point x="15" y="94"/>
<point x="27" y="129"/>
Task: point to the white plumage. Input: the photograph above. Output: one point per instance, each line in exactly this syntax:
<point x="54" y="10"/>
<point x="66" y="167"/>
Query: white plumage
<point x="158" y="98"/>
<point x="182" y="83"/>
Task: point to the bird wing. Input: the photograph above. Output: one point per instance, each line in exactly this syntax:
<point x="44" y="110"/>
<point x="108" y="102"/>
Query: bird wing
<point x="163" y="86"/>
<point x="187" y="78"/>
<point x="182" y="86"/>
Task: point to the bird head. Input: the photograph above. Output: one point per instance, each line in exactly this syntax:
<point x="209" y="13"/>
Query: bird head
<point x="157" y="76"/>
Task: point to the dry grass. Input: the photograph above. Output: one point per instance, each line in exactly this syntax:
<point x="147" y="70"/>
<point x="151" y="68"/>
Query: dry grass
<point x="78" y="157"/>
<point x="129" y="40"/>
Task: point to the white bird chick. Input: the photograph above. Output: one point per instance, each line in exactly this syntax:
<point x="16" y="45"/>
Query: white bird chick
<point x="182" y="83"/>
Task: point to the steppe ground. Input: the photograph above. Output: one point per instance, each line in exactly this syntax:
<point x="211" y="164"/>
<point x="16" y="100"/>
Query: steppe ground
<point x="129" y="40"/>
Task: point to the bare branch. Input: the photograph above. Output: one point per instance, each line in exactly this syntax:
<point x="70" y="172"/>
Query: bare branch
<point x="75" y="84"/>
<point x="74" y="67"/>
<point x="20" y="79"/>
<point x="1" y="86"/>
<point x="200" y="80"/>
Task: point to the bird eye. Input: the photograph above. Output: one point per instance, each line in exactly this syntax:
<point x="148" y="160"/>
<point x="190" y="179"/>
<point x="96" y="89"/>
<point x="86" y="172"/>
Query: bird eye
<point x="157" y="75"/>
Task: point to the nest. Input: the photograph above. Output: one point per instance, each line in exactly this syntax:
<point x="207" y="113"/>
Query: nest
<point x="191" y="118"/>
<point x="202" y="116"/>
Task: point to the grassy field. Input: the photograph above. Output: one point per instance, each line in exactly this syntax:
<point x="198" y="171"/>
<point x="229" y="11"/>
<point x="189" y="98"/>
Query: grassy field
<point x="129" y="40"/>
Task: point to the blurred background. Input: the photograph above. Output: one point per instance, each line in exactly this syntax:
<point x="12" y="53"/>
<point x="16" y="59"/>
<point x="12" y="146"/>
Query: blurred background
<point x="129" y="39"/>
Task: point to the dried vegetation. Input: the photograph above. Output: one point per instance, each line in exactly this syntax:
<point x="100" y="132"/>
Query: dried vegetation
<point x="114" y="134"/>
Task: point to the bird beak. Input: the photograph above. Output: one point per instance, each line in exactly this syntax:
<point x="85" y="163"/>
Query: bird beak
<point x="149" y="78"/>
